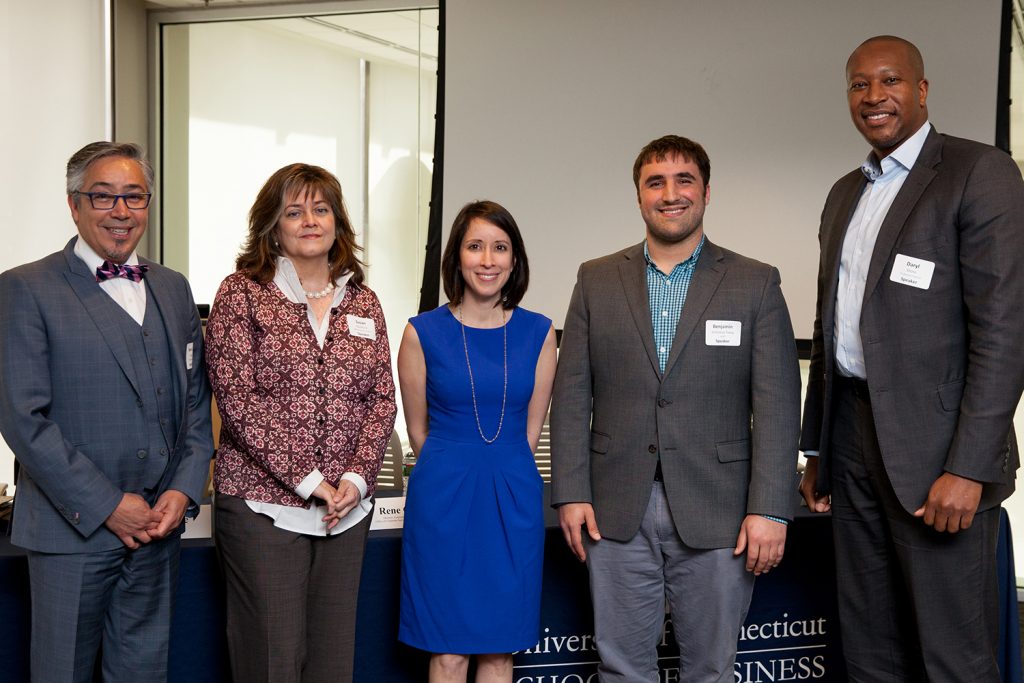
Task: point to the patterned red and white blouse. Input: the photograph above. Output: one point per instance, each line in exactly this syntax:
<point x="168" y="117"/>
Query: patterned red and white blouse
<point x="288" y="406"/>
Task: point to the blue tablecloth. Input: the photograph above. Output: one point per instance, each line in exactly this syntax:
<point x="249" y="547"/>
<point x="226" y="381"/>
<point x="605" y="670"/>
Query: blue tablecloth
<point x="791" y="630"/>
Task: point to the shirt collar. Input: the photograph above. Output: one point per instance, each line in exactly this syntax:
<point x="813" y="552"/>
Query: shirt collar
<point x="691" y="261"/>
<point x="287" y="280"/>
<point x="905" y="155"/>
<point x="94" y="260"/>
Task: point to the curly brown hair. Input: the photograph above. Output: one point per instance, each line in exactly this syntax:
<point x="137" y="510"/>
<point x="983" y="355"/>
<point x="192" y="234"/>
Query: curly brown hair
<point x="258" y="258"/>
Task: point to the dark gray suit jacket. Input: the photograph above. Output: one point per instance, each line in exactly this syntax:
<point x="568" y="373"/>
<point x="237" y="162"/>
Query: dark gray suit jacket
<point x="69" y="404"/>
<point x="724" y="418"/>
<point x="945" y="366"/>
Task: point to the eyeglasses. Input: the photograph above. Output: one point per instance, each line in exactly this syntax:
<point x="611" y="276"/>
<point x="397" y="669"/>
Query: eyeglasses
<point x="105" y="201"/>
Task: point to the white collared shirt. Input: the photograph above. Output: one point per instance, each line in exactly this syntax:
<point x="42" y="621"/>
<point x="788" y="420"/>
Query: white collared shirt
<point x="131" y="296"/>
<point x="884" y="182"/>
<point x="309" y="521"/>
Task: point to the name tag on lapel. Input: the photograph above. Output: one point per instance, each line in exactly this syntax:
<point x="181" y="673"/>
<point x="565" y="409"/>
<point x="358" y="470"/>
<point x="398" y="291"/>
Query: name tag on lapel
<point x="722" y="332"/>
<point x="913" y="272"/>
<point x="361" y="327"/>
<point x="188" y="356"/>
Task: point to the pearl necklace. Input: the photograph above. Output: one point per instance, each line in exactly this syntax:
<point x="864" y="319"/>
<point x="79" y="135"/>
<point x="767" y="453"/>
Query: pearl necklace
<point x="472" y="385"/>
<point x="322" y="293"/>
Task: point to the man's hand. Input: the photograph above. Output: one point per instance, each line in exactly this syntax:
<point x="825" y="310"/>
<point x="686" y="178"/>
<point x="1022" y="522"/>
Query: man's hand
<point x="132" y="520"/>
<point x="951" y="504"/>
<point x="809" y="488"/>
<point x="572" y="517"/>
<point x="172" y="506"/>
<point x="763" y="540"/>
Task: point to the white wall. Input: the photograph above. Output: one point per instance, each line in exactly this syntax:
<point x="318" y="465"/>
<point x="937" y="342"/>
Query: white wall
<point x="52" y="63"/>
<point x="548" y="104"/>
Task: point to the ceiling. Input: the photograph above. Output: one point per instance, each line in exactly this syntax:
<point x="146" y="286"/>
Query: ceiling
<point x="406" y="37"/>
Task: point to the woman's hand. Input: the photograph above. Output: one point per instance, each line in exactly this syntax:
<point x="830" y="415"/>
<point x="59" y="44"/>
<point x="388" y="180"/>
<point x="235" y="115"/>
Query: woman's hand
<point x="339" y="501"/>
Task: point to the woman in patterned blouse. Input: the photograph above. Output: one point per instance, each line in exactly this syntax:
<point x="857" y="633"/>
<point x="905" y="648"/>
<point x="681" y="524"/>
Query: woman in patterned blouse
<point x="298" y="358"/>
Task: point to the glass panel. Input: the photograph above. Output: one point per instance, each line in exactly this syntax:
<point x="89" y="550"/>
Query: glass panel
<point x="353" y="93"/>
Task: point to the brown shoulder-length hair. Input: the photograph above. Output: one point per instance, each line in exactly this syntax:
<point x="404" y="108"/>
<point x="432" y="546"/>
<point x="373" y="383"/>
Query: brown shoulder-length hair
<point x="258" y="258"/>
<point x="451" y="272"/>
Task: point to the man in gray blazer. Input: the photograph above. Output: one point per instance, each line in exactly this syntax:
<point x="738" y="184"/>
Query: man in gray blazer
<point x="105" y="403"/>
<point x="674" y="429"/>
<point x="916" y="371"/>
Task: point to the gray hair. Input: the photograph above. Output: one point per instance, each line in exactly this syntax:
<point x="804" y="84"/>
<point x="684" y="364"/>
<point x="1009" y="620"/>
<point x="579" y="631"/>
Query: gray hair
<point x="80" y="161"/>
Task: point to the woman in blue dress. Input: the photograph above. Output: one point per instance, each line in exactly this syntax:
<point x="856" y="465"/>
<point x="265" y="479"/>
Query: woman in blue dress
<point x="476" y="379"/>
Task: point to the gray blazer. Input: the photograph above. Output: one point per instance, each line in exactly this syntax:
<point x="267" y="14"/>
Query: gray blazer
<point x="944" y="364"/>
<point x="724" y="418"/>
<point x="69" y="407"/>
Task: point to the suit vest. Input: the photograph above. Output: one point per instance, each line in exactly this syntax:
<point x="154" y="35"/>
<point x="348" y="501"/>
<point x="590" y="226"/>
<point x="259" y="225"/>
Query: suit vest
<point x="150" y="355"/>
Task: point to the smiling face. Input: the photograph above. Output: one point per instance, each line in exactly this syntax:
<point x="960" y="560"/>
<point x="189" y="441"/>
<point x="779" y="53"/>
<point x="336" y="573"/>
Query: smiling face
<point x="485" y="260"/>
<point x="887" y="93"/>
<point x="112" y="233"/>
<point x="672" y="200"/>
<point x="306" y="227"/>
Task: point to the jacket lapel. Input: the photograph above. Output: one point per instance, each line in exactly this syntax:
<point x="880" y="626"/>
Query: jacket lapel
<point x="633" y="273"/>
<point x="707" y="275"/>
<point x="913" y="187"/>
<point x="832" y="247"/>
<point x="97" y="304"/>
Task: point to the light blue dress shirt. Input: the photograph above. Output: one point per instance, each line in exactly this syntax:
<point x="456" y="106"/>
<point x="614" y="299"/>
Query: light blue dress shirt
<point x="885" y="179"/>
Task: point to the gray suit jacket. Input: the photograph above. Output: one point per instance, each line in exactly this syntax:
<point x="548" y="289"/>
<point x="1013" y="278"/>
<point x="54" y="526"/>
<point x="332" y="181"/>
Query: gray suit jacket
<point x="944" y="364"/>
<point x="724" y="418"/>
<point x="69" y="407"/>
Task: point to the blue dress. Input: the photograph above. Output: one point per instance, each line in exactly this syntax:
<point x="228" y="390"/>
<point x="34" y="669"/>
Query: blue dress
<point x="473" y="545"/>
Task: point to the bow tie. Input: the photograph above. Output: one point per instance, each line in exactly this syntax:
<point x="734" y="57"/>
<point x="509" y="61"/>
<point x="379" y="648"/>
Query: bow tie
<point x="110" y="270"/>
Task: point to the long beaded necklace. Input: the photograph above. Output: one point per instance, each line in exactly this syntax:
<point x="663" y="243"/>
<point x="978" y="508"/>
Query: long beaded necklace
<point x="472" y="385"/>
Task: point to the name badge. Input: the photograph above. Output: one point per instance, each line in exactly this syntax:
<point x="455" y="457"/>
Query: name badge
<point x="914" y="272"/>
<point x="188" y="356"/>
<point x="361" y="327"/>
<point x="722" y="332"/>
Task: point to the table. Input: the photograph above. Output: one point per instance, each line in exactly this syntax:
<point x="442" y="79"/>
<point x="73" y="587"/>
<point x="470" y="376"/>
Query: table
<point x="791" y="632"/>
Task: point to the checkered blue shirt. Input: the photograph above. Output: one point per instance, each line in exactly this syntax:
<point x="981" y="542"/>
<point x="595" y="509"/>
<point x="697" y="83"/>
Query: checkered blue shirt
<point x="666" y="295"/>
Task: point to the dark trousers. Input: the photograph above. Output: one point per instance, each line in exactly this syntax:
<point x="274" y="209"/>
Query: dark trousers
<point x="291" y="598"/>
<point x="914" y="604"/>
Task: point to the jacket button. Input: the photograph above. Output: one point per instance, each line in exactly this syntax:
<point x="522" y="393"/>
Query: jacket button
<point x="652" y="448"/>
<point x="141" y="454"/>
<point x="662" y="402"/>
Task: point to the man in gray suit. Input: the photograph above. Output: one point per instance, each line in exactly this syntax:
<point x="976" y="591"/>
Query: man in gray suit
<point x="674" y="429"/>
<point x="916" y="371"/>
<point x="106" y="406"/>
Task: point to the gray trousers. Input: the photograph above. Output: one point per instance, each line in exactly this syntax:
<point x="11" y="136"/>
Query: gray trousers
<point x="708" y="593"/>
<point x="121" y="599"/>
<point x="291" y="598"/>
<point x="914" y="604"/>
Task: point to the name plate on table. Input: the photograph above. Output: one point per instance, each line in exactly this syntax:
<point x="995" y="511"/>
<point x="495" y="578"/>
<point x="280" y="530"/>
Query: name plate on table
<point x="388" y="513"/>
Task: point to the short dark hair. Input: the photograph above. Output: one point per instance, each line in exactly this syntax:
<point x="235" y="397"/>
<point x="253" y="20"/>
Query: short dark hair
<point x="451" y="272"/>
<point x="258" y="258"/>
<point x="80" y="161"/>
<point x="670" y="146"/>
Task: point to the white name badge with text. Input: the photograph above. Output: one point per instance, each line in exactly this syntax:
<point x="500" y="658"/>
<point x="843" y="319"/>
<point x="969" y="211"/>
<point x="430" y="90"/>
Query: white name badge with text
<point x="913" y="272"/>
<point x="361" y="327"/>
<point x="722" y="332"/>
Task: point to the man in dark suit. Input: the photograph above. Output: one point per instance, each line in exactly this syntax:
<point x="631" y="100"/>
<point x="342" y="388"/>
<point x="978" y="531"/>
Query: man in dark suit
<point x="674" y="429"/>
<point x="916" y="371"/>
<point x="106" y="406"/>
